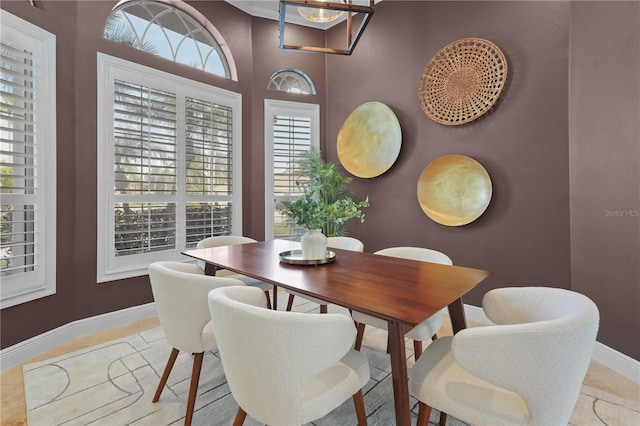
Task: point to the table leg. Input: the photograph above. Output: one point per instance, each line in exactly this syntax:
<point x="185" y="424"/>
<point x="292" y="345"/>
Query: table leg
<point x="456" y="314"/>
<point x="399" y="373"/>
<point x="210" y="269"/>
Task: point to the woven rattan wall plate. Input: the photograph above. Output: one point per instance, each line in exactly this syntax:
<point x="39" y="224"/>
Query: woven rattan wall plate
<point x="462" y="81"/>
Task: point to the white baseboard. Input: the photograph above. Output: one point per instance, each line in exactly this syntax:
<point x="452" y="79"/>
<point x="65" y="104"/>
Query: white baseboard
<point x="21" y="352"/>
<point x="610" y="358"/>
<point x="617" y="361"/>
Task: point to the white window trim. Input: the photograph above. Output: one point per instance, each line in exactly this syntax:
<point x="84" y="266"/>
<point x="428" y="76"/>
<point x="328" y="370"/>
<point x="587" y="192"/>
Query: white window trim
<point x="195" y="19"/>
<point x="300" y="74"/>
<point x="41" y="282"/>
<point x="110" y="68"/>
<point x="271" y="108"/>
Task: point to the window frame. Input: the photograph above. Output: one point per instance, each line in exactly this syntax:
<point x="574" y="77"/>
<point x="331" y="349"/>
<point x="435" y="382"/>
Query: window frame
<point x="32" y="285"/>
<point x="271" y="108"/>
<point x="109" y="266"/>
<point x="198" y="18"/>
<point x="299" y="73"/>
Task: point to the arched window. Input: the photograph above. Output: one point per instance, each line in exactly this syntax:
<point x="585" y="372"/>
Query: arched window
<point x="182" y="35"/>
<point x="292" y="81"/>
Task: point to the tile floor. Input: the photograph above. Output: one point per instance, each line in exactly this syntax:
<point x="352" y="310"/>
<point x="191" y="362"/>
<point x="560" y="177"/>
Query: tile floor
<point x="12" y="404"/>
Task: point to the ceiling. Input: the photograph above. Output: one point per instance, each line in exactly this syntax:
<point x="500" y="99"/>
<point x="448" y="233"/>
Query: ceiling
<point x="270" y="9"/>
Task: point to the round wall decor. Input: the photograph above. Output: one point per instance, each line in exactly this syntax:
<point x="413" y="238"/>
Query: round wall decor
<point x="454" y="190"/>
<point x="462" y="81"/>
<point x="369" y="140"/>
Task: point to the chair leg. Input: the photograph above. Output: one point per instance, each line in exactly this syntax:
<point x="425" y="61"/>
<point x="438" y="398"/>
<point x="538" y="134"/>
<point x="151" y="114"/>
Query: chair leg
<point x="290" y="302"/>
<point x="323" y="309"/>
<point x="193" y="389"/>
<point x="266" y="293"/>
<point x="165" y="374"/>
<point x="361" y="413"/>
<point x="417" y="349"/>
<point x="359" y="336"/>
<point x="443" y="418"/>
<point x="424" y="412"/>
<point x="240" y="416"/>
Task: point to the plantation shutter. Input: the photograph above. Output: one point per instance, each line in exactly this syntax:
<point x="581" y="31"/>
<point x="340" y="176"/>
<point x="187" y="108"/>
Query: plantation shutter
<point x="27" y="162"/>
<point x="209" y="169"/>
<point x="145" y="169"/>
<point x="20" y="243"/>
<point x="172" y="173"/>
<point x="209" y="148"/>
<point x="291" y="139"/>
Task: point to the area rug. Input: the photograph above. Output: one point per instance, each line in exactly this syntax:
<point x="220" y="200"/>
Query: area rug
<point x="113" y="383"/>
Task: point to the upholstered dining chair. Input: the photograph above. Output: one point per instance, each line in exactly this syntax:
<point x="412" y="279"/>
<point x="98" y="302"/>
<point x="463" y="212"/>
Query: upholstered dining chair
<point x="428" y="328"/>
<point x="180" y="293"/>
<point x="228" y="240"/>
<point x="285" y="368"/>
<point x="526" y="370"/>
<point x="345" y="243"/>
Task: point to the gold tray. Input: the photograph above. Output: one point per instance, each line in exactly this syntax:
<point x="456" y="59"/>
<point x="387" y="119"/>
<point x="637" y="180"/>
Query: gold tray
<point x="369" y="140"/>
<point x="454" y="190"/>
<point x="294" y="257"/>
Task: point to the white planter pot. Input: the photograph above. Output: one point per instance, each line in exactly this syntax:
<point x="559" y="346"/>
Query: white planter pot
<point x="314" y="244"/>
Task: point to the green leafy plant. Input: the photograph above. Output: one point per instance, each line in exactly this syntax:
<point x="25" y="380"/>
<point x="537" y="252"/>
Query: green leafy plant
<point x="326" y="203"/>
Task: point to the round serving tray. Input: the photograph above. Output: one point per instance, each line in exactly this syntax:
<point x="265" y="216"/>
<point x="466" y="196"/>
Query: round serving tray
<point x="294" y="257"/>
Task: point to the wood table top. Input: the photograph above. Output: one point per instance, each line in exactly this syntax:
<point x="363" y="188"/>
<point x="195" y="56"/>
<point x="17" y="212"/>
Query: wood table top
<point x="386" y="287"/>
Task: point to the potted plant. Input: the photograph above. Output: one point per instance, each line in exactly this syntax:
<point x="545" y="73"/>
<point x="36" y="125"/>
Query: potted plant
<point x="326" y="203"/>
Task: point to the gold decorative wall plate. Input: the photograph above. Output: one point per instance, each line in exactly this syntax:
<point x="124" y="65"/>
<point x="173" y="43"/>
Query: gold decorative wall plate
<point x="462" y="81"/>
<point x="454" y="190"/>
<point x="369" y="140"/>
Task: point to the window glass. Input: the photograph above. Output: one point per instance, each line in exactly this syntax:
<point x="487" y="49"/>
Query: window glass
<point x="291" y="81"/>
<point x="164" y="30"/>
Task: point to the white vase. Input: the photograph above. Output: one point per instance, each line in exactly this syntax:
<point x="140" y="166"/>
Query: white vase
<point x="314" y="244"/>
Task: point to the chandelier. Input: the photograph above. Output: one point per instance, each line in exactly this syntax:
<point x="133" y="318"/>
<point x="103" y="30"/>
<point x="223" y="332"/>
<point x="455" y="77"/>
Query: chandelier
<point x="326" y="11"/>
<point x="320" y="15"/>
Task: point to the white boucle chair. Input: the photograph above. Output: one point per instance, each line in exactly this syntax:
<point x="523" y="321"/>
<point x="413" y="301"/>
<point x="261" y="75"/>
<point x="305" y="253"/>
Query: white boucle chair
<point x="428" y="328"/>
<point x="229" y="240"/>
<point x="180" y="292"/>
<point x="285" y="368"/>
<point x="527" y="370"/>
<point x="344" y="243"/>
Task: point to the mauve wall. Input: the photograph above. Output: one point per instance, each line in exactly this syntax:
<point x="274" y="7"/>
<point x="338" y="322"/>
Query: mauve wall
<point x="267" y="59"/>
<point x="78" y="26"/>
<point x="557" y="159"/>
<point x="523" y="236"/>
<point x="542" y="145"/>
<point x="30" y="319"/>
<point x="604" y="142"/>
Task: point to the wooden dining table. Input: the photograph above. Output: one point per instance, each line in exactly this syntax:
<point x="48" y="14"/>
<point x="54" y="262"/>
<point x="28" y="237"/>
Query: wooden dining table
<point x="403" y="292"/>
